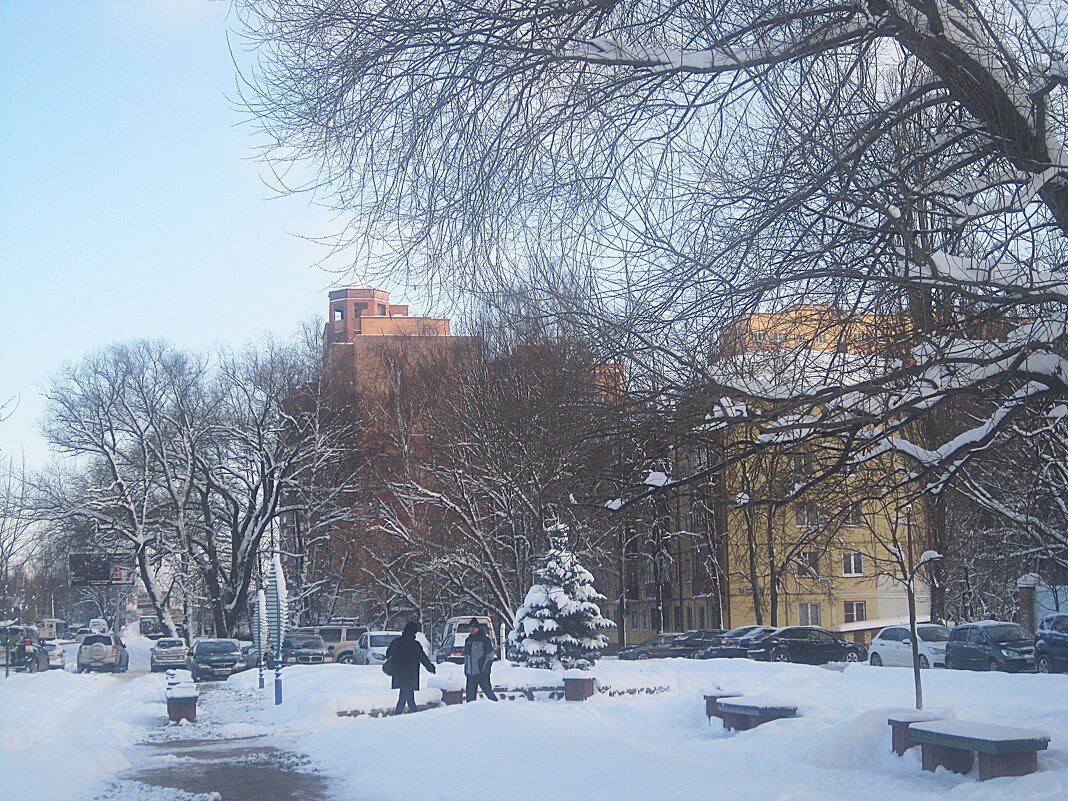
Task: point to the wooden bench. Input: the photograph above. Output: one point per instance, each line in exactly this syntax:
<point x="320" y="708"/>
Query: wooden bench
<point x="712" y="710"/>
<point x="900" y="738"/>
<point x="1002" y="750"/>
<point x="741" y="714"/>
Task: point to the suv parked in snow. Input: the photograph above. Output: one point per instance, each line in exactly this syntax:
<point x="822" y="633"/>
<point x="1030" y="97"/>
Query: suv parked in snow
<point x="893" y="646"/>
<point x="23" y="647"/>
<point x="103" y="652"/>
<point x="168" y="652"/>
<point x="1051" y="644"/>
<point x="991" y="645"/>
<point x="806" y="644"/>
<point x="340" y="640"/>
<point x="693" y="642"/>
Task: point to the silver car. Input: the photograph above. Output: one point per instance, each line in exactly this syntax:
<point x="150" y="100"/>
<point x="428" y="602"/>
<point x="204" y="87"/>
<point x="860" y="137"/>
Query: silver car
<point x="103" y="652"/>
<point x="168" y="652"/>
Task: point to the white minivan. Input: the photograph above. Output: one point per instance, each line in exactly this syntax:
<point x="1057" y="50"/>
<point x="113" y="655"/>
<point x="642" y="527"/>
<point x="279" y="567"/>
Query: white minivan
<point x="893" y="646"/>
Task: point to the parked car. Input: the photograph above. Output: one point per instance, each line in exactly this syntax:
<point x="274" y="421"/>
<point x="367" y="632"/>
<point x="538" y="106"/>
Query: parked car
<point x="81" y="633"/>
<point x="99" y="626"/>
<point x="340" y="640"/>
<point x="371" y="649"/>
<point x="454" y="635"/>
<point x="22" y="646"/>
<point x="805" y="644"/>
<point x="733" y="644"/>
<point x="168" y="652"/>
<point x="103" y="652"/>
<point x="991" y="645"/>
<point x="56" y="658"/>
<point x="893" y="646"/>
<point x="1051" y="644"/>
<point x="656" y="647"/>
<point x="303" y="649"/>
<point x="693" y="642"/>
<point x="214" y="659"/>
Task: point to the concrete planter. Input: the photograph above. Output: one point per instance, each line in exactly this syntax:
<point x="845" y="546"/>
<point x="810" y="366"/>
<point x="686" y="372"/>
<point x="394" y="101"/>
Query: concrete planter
<point x="579" y="689"/>
<point x="179" y="709"/>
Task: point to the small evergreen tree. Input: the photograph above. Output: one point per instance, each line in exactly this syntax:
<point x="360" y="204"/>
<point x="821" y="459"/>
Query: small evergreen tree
<point x="559" y="624"/>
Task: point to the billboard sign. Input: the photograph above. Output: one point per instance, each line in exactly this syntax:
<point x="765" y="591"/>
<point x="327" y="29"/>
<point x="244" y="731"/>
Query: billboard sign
<point x="95" y="570"/>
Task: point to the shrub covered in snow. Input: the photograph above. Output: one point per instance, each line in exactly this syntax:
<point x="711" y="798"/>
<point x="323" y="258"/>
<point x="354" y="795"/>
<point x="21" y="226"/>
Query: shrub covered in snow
<point x="559" y="624"/>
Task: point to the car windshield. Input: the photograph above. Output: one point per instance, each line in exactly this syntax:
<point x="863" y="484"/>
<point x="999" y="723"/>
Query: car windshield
<point x="933" y="633"/>
<point x="757" y="632"/>
<point x="1007" y="632"/>
<point x="741" y="631"/>
<point x="382" y="640"/>
<point x="302" y="642"/>
<point x="169" y="643"/>
<point x="97" y="639"/>
<point x="218" y="647"/>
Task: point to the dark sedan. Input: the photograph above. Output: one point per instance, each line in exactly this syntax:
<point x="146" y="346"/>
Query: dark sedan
<point x="215" y="659"/>
<point x="693" y="642"/>
<point x="303" y="649"/>
<point x="991" y="645"/>
<point x="807" y="645"/>
<point x="734" y="644"/>
<point x="656" y="647"/>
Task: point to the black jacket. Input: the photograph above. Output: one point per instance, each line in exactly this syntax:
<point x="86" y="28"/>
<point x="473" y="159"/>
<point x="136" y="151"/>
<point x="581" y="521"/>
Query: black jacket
<point x="404" y="655"/>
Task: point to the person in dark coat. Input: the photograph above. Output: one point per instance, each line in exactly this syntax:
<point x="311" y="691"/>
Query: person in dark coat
<point x="478" y="659"/>
<point x="404" y="655"/>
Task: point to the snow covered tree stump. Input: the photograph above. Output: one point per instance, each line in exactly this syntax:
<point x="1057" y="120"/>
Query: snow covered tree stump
<point x="579" y="687"/>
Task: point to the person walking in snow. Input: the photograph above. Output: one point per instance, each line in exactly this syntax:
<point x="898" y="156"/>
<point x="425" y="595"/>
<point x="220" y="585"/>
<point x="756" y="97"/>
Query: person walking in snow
<point x="403" y="657"/>
<point x="478" y="659"/>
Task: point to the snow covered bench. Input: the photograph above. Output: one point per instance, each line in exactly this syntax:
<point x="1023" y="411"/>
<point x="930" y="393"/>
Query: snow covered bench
<point x="712" y="709"/>
<point x="1003" y="750"/>
<point x="900" y="738"/>
<point x="741" y="714"/>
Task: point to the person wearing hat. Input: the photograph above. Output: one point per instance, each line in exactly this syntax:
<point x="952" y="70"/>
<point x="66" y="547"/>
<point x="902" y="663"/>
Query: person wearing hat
<point x="478" y="659"/>
<point x="404" y="656"/>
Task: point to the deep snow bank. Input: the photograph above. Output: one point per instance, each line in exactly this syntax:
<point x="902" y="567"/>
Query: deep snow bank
<point x="62" y="733"/>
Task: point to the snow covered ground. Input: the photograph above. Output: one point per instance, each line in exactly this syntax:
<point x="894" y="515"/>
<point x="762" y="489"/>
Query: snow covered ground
<point x="630" y="747"/>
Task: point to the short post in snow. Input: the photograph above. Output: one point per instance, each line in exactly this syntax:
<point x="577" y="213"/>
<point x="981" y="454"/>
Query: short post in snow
<point x="578" y="685"/>
<point x="277" y="611"/>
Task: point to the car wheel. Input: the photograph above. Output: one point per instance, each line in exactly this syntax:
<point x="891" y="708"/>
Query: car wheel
<point x="992" y="665"/>
<point x="852" y="656"/>
<point x="643" y="656"/>
<point x="875" y="660"/>
<point x="345" y="659"/>
<point x="780" y="656"/>
<point x="924" y="664"/>
<point x="32" y="667"/>
<point x="950" y="664"/>
<point x="1043" y="665"/>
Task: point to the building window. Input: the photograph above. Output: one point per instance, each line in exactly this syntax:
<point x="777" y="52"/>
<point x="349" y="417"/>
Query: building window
<point x="381" y="310"/>
<point x="855" y="611"/>
<point x="700" y="617"/>
<point x="808" y="563"/>
<point x="687" y="569"/>
<point x="806" y="514"/>
<point x="645" y="619"/>
<point x="852" y="516"/>
<point x="678" y="619"/>
<point x="633" y="620"/>
<point x="808" y="614"/>
<point x="689" y="618"/>
<point x="339" y="313"/>
<point x="802" y="463"/>
<point x="852" y="563"/>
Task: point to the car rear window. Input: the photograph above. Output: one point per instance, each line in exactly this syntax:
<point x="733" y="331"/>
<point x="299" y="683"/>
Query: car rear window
<point x="217" y="647"/>
<point x="1008" y="632"/>
<point x="382" y="640"/>
<point x="169" y="643"/>
<point x="97" y="639"/>
<point x="933" y="633"/>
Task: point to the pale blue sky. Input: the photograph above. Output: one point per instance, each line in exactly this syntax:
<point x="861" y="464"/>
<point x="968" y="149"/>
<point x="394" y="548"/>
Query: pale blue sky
<point x="130" y="201"/>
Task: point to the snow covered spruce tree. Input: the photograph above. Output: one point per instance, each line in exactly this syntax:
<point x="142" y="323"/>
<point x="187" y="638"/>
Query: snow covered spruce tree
<point x="559" y="624"/>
